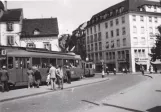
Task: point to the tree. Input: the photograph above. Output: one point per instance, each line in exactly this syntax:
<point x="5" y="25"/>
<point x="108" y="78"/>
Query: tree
<point x="156" y="50"/>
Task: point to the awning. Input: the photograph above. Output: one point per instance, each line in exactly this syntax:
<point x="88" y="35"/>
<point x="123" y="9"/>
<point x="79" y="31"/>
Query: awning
<point x="141" y="63"/>
<point x="156" y="62"/>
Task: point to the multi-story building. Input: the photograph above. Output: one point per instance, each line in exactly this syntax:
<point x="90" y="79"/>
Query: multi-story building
<point x="122" y="35"/>
<point x="40" y="33"/>
<point x="10" y="25"/>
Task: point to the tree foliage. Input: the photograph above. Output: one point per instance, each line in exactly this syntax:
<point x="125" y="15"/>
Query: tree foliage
<point x="156" y="50"/>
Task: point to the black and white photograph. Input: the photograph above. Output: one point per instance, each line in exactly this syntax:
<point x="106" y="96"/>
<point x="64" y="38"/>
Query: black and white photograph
<point x="80" y="55"/>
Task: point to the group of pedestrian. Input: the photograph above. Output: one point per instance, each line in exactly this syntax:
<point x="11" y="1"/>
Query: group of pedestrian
<point x="106" y="70"/>
<point x="34" y="77"/>
<point x="56" y="76"/>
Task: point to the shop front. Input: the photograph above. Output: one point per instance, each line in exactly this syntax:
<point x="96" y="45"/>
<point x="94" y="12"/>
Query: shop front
<point x="141" y="62"/>
<point x="123" y="64"/>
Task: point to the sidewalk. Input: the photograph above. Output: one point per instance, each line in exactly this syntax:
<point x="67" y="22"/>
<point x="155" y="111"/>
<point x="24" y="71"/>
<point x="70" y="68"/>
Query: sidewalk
<point x="25" y="92"/>
<point x="145" y="97"/>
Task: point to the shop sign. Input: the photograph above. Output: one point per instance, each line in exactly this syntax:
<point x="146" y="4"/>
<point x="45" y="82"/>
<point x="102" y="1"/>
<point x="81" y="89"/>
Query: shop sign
<point x="2" y="58"/>
<point x="121" y="60"/>
<point x="141" y="59"/>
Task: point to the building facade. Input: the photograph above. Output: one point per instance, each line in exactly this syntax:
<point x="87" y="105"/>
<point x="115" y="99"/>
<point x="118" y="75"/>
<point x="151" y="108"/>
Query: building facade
<point x="10" y="25"/>
<point x="122" y="35"/>
<point x="40" y="33"/>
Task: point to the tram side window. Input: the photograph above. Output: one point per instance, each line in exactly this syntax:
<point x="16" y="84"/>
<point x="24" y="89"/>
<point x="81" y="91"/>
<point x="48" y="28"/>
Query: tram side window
<point x="53" y="61"/>
<point x="10" y="62"/>
<point x="36" y="62"/>
<point x="45" y="62"/>
<point x="2" y="62"/>
<point x="65" y="62"/>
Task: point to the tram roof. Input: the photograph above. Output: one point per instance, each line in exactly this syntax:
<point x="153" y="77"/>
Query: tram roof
<point x="23" y="53"/>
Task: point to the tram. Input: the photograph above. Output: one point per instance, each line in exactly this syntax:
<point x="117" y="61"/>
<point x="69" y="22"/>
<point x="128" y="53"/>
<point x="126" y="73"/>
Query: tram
<point x="89" y="69"/>
<point x="18" y="61"/>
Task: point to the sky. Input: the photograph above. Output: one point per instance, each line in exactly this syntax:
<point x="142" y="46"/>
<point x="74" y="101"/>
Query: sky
<point x="70" y="13"/>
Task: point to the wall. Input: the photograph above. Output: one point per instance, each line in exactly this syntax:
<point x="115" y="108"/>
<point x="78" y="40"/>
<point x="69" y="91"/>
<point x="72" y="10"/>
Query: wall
<point x="39" y="42"/>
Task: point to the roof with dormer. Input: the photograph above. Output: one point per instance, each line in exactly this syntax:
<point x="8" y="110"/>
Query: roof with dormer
<point x="44" y="27"/>
<point x="119" y="9"/>
<point x="11" y="15"/>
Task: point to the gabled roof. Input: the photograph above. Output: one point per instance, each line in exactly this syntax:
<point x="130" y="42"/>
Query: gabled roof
<point x="45" y="26"/>
<point x="11" y="15"/>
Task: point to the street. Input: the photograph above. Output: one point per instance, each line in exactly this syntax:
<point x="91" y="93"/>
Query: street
<point x="74" y="99"/>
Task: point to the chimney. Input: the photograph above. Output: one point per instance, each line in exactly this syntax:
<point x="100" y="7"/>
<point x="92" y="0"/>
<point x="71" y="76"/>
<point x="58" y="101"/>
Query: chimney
<point x="5" y="5"/>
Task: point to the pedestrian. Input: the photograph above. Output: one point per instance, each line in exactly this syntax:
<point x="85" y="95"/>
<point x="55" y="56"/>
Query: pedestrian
<point x="4" y="77"/>
<point x="107" y="70"/>
<point x="37" y="77"/>
<point x="103" y="72"/>
<point x="68" y="73"/>
<point x="123" y="70"/>
<point x="52" y="72"/>
<point x="30" y="74"/>
<point x="114" y="71"/>
<point x="60" y="77"/>
<point x="156" y="70"/>
<point x="48" y="76"/>
<point x="142" y="69"/>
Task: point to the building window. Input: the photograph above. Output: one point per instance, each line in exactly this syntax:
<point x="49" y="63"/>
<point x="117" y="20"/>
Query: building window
<point x="123" y="55"/>
<point x="142" y="30"/>
<point x="95" y="37"/>
<point x="139" y="52"/>
<point x="95" y="29"/>
<point x="124" y="42"/>
<point x="135" y="40"/>
<point x="87" y="39"/>
<point x="99" y="27"/>
<point x="111" y="23"/>
<point x="134" y="29"/>
<point x="123" y="31"/>
<point x="106" y="25"/>
<point x="112" y="44"/>
<point x="99" y="36"/>
<point x="100" y="45"/>
<point x="91" y="30"/>
<point x="10" y="40"/>
<point x="151" y="41"/>
<point x="118" y="43"/>
<point x="141" y="18"/>
<point x="150" y="19"/>
<point x="47" y="45"/>
<point x="100" y="56"/>
<point x="91" y="38"/>
<point x="119" y="54"/>
<point x="9" y="26"/>
<point x="134" y="17"/>
<point x="107" y="45"/>
<point x="112" y="33"/>
<point x="117" y="21"/>
<point x="156" y="20"/>
<point x="107" y="56"/>
<point x="31" y="45"/>
<point x="150" y="30"/>
<point x="87" y="31"/>
<point x="143" y="53"/>
<point x="113" y="55"/>
<point x="117" y="32"/>
<point x="110" y="55"/>
<point x="96" y="48"/>
<point x="143" y="41"/>
<point x="135" y="53"/>
<point x="106" y="35"/>
<point x="123" y="19"/>
<point x="91" y="47"/>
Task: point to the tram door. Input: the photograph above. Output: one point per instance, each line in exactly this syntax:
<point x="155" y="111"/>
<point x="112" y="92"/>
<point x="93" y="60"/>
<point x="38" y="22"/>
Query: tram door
<point x="21" y="65"/>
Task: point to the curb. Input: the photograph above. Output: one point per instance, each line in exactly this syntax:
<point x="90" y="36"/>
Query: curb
<point x="25" y="96"/>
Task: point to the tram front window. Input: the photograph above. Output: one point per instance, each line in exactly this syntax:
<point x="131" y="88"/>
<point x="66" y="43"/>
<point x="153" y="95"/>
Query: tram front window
<point x="2" y="61"/>
<point x="10" y="62"/>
